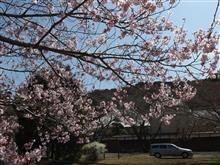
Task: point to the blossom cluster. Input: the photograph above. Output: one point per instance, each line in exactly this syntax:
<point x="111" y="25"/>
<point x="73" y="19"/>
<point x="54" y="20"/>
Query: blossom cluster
<point x="57" y="103"/>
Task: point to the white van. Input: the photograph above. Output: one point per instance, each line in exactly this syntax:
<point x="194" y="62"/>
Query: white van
<point x="167" y="149"/>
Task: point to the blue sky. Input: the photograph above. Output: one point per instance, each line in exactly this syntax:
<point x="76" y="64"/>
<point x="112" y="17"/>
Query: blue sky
<point x="198" y="13"/>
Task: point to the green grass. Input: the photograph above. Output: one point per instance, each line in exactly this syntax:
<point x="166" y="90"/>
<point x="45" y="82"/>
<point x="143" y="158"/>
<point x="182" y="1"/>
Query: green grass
<point x="145" y="159"/>
<point x="201" y="158"/>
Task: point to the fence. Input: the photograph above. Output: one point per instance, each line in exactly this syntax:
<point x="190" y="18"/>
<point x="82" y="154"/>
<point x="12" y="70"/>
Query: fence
<point x="198" y="141"/>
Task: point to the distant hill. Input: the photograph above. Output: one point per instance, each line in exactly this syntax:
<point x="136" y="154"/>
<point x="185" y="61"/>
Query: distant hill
<point x="206" y="98"/>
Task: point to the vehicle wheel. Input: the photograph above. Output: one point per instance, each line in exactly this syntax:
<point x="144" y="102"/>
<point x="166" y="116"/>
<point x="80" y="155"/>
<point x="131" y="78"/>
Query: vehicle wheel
<point x="157" y="155"/>
<point x="185" y="155"/>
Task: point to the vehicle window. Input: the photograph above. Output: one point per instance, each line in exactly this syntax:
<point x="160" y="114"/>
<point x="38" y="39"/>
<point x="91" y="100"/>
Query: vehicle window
<point x="155" y="146"/>
<point x="163" y="146"/>
<point x="171" y="147"/>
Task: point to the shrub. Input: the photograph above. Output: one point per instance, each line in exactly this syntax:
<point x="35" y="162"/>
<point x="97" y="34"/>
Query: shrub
<point x="92" y="151"/>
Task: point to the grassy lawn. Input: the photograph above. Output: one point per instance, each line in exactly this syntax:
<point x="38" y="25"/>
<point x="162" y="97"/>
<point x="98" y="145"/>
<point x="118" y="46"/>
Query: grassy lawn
<point x="212" y="158"/>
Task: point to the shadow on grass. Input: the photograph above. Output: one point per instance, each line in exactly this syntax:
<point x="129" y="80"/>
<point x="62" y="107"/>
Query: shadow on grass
<point x="73" y="163"/>
<point x="93" y="163"/>
<point x="175" y="158"/>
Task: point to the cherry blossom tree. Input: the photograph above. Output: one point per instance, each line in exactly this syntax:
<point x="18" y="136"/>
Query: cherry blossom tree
<point x="126" y="41"/>
<point x="61" y="100"/>
<point x="120" y="41"/>
<point x="55" y="107"/>
<point x="138" y="109"/>
<point x="9" y="126"/>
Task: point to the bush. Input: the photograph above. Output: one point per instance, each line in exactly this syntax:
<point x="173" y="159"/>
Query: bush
<point x="92" y="151"/>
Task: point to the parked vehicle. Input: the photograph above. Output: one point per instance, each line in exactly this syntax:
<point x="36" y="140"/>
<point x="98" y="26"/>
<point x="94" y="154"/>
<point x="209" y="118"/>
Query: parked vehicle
<point x="167" y="149"/>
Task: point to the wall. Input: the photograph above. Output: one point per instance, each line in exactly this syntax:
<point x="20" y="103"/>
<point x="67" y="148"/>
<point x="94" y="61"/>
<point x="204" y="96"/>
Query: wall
<point x="196" y="144"/>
